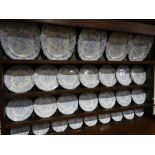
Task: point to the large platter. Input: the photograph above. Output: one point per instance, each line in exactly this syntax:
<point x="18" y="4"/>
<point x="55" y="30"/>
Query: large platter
<point x="45" y="106"/>
<point x="68" y="77"/>
<point x="19" y="79"/>
<point x="67" y="104"/>
<point x="88" y="101"/>
<point x="107" y="75"/>
<point x="107" y="99"/>
<point x="58" y="42"/>
<point x="91" y="44"/>
<point x="19" y="109"/>
<point x="45" y="77"/>
<point x="20" y="40"/>
<point x="89" y="76"/>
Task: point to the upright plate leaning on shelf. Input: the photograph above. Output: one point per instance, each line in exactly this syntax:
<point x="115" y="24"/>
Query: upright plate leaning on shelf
<point x="138" y="74"/>
<point x="89" y="76"/>
<point x="138" y="96"/>
<point x="123" y="75"/>
<point x="91" y="44"/>
<point x="117" y="46"/>
<point x="40" y="129"/>
<point x="117" y="116"/>
<point x="140" y="47"/>
<point x="45" y="77"/>
<point x="68" y="77"/>
<point x="139" y="112"/>
<point x="19" y="79"/>
<point x="20" y="40"/>
<point x="19" y="109"/>
<point x="104" y="118"/>
<point x="20" y="131"/>
<point x="75" y="123"/>
<point x="123" y="97"/>
<point x="107" y="75"/>
<point x="90" y="121"/>
<point x="58" y="42"/>
<point x="128" y="114"/>
<point x="107" y="99"/>
<point x="67" y="104"/>
<point x="45" y="106"/>
<point x="59" y="126"/>
<point x="88" y="101"/>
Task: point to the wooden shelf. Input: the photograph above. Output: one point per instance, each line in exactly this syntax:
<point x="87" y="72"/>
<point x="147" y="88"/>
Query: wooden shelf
<point x="77" y="114"/>
<point x="73" y="62"/>
<point x="76" y="91"/>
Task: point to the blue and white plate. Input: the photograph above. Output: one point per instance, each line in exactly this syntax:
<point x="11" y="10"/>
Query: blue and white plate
<point x="20" y="40"/>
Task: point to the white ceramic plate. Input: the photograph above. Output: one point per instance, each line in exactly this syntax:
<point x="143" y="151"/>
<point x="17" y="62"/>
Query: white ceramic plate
<point x="107" y="75"/>
<point x="128" y="114"/>
<point x="138" y="96"/>
<point x="107" y="99"/>
<point x="117" y="46"/>
<point x="123" y="97"/>
<point x="140" y="46"/>
<point x="19" y="109"/>
<point x="45" y="77"/>
<point x="117" y="116"/>
<point x="19" y="79"/>
<point x="20" y="40"/>
<point x="45" y="106"/>
<point x="90" y="121"/>
<point x="75" y="123"/>
<point x="67" y="104"/>
<point x="104" y="118"/>
<point x="89" y="76"/>
<point x="138" y="74"/>
<point x="123" y="75"/>
<point x="40" y="129"/>
<point x="139" y="112"/>
<point x="88" y="101"/>
<point x="91" y="44"/>
<point x="68" y="77"/>
<point x="20" y="131"/>
<point x="58" y="42"/>
<point x="59" y="126"/>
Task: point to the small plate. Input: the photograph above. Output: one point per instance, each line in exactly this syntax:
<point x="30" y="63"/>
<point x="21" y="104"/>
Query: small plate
<point x="45" y="77"/>
<point x="20" y="41"/>
<point x="117" y="116"/>
<point x="59" y="126"/>
<point x="107" y="99"/>
<point x="68" y="77"/>
<point x="89" y="76"/>
<point x="45" y="106"/>
<point x="138" y="74"/>
<point x="90" y="121"/>
<point x="40" y="129"/>
<point x="19" y="109"/>
<point x="91" y="44"/>
<point x="104" y="118"/>
<point x="107" y="75"/>
<point x="123" y="97"/>
<point x="20" y="131"/>
<point x="139" y="47"/>
<point x="19" y="79"/>
<point x="128" y="114"/>
<point x="117" y="46"/>
<point x="123" y="75"/>
<point x="139" y="112"/>
<point x="58" y="42"/>
<point x="138" y="96"/>
<point x="75" y="123"/>
<point x="88" y="101"/>
<point x="67" y="104"/>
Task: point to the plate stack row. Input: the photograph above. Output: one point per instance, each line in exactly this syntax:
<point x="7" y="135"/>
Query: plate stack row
<point x="24" y="41"/>
<point x="77" y="123"/>
<point x="20" y="79"/>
